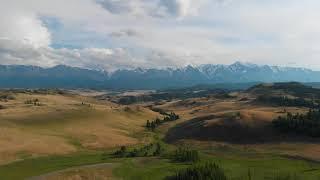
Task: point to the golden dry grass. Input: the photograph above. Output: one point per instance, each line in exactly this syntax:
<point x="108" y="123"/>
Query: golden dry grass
<point x="15" y="142"/>
<point x="62" y="124"/>
<point x="250" y="115"/>
<point x="207" y="106"/>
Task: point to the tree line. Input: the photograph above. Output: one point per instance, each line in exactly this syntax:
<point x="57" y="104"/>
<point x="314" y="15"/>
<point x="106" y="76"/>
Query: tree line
<point x="209" y="170"/>
<point x="35" y="102"/>
<point x="158" y="110"/>
<point x="152" y="149"/>
<point x="286" y="101"/>
<point x="301" y="124"/>
<point x="152" y="125"/>
<point x="183" y="154"/>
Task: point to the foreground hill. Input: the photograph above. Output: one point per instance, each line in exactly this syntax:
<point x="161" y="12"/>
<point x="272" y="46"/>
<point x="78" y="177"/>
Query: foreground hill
<point x="39" y="123"/>
<point x="70" y="77"/>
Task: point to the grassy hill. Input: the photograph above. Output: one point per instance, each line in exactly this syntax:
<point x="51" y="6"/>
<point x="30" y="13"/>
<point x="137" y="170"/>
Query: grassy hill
<point x="36" y="124"/>
<point x="237" y="122"/>
<point x="66" y="135"/>
<point x="291" y="88"/>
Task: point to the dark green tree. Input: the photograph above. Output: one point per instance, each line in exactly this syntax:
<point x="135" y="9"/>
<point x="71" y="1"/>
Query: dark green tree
<point x="203" y="171"/>
<point x="148" y="124"/>
<point x="153" y="125"/>
<point x="183" y="154"/>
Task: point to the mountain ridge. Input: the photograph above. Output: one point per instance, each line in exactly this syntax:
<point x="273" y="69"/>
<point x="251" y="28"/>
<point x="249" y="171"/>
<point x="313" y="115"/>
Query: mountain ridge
<point x="61" y="76"/>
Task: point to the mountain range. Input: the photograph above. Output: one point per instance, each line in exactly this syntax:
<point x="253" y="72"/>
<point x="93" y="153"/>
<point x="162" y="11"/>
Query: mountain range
<point x="20" y="76"/>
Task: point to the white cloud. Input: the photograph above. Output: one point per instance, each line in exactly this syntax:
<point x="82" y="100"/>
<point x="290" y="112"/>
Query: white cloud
<point x="23" y="27"/>
<point x="12" y="52"/>
<point x="125" y="33"/>
<point x="154" y="8"/>
<point x="181" y="8"/>
<point x="158" y="33"/>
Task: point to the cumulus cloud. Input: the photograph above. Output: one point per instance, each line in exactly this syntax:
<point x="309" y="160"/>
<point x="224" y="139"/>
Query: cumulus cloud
<point x="136" y="8"/>
<point x="176" y="7"/>
<point x="125" y="33"/>
<point x="181" y="8"/>
<point x="154" y="8"/>
<point x="118" y="6"/>
<point x="12" y="52"/>
<point x="111" y="34"/>
<point x="23" y="27"/>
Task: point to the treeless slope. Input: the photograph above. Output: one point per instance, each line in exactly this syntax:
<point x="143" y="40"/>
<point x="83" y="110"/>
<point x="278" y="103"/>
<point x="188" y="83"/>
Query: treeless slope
<point x="65" y="123"/>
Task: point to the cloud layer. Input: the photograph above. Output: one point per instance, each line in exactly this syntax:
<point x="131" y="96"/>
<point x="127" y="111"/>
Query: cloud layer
<point x="112" y="34"/>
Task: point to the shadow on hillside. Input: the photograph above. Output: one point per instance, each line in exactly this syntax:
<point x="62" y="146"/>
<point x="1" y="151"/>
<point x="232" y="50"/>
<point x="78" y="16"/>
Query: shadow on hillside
<point x="211" y="128"/>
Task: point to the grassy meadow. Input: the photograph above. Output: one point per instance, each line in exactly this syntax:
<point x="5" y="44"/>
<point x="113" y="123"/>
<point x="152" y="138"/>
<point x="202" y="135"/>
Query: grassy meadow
<point x="70" y="136"/>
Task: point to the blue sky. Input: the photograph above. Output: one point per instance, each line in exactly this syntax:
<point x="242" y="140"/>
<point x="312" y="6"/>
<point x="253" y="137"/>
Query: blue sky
<point x="113" y="34"/>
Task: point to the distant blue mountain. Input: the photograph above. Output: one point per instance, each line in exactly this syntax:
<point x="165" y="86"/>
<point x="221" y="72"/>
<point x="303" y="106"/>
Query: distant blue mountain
<point x="17" y="76"/>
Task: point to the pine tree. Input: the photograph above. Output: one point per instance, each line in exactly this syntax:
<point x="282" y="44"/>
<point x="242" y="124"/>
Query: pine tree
<point x="153" y="125"/>
<point x="148" y="125"/>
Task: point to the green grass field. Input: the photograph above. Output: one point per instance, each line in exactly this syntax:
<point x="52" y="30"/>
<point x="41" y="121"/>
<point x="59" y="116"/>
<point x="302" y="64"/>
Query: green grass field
<point x="33" y="167"/>
<point x="236" y="166"/>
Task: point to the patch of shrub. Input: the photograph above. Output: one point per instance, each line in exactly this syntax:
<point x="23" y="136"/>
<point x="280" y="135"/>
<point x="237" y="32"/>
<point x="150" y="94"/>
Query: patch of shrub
<point x="202" y="171"/>
<point x="151" y="125"/>
<point x="122" y="152"/>
<point x="158" y="110"/>
<point x="186" y="155"/>
<point x="34" y="102"/>
<point x="152" y="149"/>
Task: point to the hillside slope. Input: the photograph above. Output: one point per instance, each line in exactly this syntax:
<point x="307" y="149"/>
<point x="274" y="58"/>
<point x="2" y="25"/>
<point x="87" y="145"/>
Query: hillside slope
<point x="37" y="124"/>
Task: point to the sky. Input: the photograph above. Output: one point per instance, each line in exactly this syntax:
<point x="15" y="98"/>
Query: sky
<point x="119" y="34"/>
